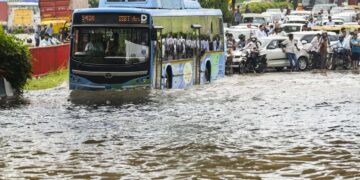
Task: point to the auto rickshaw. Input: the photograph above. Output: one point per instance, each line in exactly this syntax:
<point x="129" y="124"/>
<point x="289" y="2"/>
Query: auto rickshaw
<point x="57" y="24"/>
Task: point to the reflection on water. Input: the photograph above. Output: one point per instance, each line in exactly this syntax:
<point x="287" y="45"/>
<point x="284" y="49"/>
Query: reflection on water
<point x="110" y="98"/>
<point x="272" y="126"/>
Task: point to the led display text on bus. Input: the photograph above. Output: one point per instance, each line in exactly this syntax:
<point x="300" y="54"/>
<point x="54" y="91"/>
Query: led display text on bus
<point x="111" y="19"/>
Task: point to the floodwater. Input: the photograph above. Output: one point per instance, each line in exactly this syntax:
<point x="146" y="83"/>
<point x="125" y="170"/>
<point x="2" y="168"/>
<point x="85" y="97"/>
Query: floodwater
<point x="271" y="126"/>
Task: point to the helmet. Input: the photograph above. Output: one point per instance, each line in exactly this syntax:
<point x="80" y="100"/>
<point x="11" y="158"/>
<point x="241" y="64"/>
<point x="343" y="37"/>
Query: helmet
<point x="241" y="36"/>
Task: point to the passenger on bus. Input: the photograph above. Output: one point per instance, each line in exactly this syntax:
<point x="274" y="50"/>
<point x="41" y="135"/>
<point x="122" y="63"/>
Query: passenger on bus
<point x="188" y="50"/>
<point x="170" y="47"/>
<point x="94" y="44"/>
<point x="112" y="46"/>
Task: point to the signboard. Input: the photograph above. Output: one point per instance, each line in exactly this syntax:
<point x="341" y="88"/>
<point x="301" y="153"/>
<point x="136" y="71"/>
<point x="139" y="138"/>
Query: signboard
<point x="54" y="9"/>
<point x="111" y="19"/>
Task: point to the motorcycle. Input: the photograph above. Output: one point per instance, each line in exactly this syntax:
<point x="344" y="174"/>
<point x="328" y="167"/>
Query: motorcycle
<point x="339" y="58"/>
<point x="252" y="61"/>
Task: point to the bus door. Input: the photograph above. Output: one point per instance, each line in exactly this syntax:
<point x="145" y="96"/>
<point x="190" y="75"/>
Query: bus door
<point x="158" y="58"/>
<point x="196" y="28"/>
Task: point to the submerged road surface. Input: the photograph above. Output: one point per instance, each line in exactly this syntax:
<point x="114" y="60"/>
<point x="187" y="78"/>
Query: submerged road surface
<point x="271" y="126"/>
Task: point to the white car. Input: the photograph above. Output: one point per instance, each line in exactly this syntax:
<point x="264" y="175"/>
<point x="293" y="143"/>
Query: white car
<point x="237" y="32"/>
<point x="292" y="27"/>
<point x="276" y="58"/>
<point x="337" y="22"/>
<point x="306" y="37"/>
<point x="305" y="14"/>
<point x="295" y="19"/>
<point x="325" y="7"/>
<point x="346" y="16"/>
<point x="251" y="18"/>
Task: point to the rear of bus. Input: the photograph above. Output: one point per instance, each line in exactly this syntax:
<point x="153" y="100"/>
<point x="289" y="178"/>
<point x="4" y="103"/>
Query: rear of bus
<point x="110" y="49"/>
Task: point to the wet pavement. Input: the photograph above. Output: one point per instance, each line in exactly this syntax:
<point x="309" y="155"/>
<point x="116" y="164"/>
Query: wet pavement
<point x="271" y="126"/>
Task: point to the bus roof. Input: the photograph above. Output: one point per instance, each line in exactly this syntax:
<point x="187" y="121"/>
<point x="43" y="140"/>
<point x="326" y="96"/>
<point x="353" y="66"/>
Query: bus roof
<point x="154" y="12"/>
<point x="153" y="4"/>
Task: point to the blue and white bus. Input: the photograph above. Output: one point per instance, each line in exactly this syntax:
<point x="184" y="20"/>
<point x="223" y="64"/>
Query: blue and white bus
<point x="159" y="44"/>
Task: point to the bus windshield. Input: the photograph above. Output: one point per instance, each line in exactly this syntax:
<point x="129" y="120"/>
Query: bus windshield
<point x="98" y="45"/>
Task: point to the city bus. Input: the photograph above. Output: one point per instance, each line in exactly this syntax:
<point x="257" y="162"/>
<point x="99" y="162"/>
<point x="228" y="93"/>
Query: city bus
<point x="124" y="44"/>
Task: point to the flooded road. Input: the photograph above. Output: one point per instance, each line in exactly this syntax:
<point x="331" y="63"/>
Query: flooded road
<point x="271" y="126"/>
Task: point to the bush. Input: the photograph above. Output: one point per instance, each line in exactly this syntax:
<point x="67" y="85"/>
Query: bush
<point x="219" y="4"/>
<point x="14" y="61"/>
<point x="259" y="7"/>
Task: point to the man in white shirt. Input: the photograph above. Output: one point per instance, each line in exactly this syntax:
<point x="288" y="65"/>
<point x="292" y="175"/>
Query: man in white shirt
<point x="289" y="46"/>
<point x="94" y="45"/>
<point x="311" y="23"/>
<point x="260" y="33"/>
<point x="315" y="51"/>
<point x="50" y="30"/>
<point x="330" y="22"/>
<point x="46" y="41"/>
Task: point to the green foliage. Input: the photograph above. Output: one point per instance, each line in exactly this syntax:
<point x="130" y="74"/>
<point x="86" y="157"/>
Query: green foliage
<point x="14" y="61"/>
<point x="94" y="3"/>
<point x="259" y="7"/>
<point x="49" y="81"/>
<point x="219" y="4"/>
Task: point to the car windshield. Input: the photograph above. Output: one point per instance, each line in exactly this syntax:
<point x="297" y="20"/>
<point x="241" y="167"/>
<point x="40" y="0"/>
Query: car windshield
<point x="289" y="29"/>
<point x="264" y="42"/>
<point x="255" y="20"/>
<point x="96" y="45"/>
<point x="273" y="10"/>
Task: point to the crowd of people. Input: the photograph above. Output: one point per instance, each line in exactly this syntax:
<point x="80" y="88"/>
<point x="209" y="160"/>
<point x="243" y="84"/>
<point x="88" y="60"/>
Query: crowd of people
<point x="44" y="36"/>
<point x="348" y="43"/>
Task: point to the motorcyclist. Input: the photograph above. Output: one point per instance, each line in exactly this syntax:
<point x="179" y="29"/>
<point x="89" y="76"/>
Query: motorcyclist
<point x="253" y="46"/>
<point x="342" y="47"/>
<point x="242" y="41"/>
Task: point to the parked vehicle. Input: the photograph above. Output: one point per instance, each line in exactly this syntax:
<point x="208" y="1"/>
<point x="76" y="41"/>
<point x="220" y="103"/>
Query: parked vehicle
<point x="272" y="16"/>
<point x="292" y="27"/>
<point x="337" y="22"/>
<point x="236" y="32"/>
<point x="339" y="58"/>
<point x="295" y="19"/>
<point x="346" y="16"/>
<point x="306" y="37"/>
<point x="305" y="14"/>
<point x="276" y="58"/>
<point x="251" y="18"/>
<point x="325" y="7"/>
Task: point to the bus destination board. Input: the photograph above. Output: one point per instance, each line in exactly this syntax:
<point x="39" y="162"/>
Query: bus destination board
<point x="111" y="19"/>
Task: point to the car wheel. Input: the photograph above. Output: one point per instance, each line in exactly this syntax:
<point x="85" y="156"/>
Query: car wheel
<point x="279" y="68"/>
<point x="208" y="72"/>
<point x="168" y="76"/>
<point x="228" y="68"/>
<point x="303" y="63"/>
<point x="242" y="67"/>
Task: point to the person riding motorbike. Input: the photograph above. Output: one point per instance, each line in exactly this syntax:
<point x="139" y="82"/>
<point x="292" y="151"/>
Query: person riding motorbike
<point x="342" y="48"/>
<point x="242" y="41"/>
<point x="253" y="46"/>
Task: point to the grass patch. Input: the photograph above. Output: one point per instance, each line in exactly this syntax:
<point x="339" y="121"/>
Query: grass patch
<point x="51" y="80"/>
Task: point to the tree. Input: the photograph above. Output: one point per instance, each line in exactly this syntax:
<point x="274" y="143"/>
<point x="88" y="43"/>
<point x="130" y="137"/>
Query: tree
<point x="94" y="3"/>
<point x="15" y="65"/>
<point x="219" y="4"/>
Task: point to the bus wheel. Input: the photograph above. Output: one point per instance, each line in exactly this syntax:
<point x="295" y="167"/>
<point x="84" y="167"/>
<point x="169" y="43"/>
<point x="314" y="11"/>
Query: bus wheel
<point x="169" y="78"/>
<point x="208" y="72"/>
